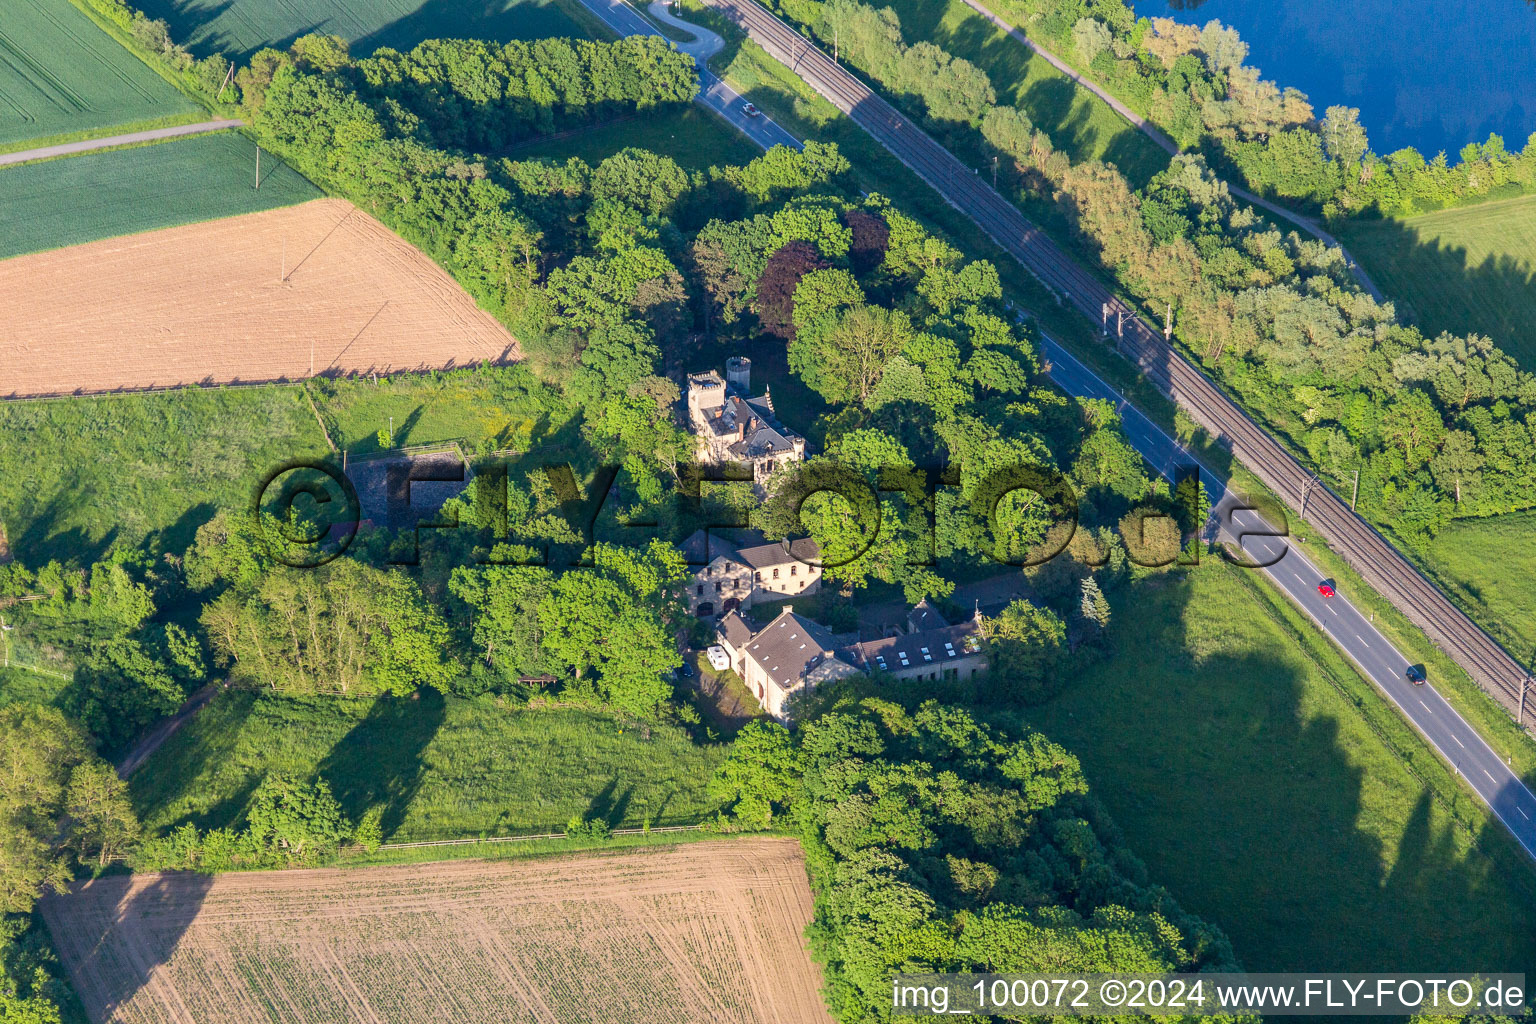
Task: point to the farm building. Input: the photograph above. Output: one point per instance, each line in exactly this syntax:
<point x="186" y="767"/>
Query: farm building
<point x="732" y="577"/>
<point x="793" y="654"/>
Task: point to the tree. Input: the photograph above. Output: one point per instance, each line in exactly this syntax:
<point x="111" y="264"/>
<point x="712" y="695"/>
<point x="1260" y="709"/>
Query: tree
<point x="761" y="774"/>
<point x="98" y="813"/>
<point x="846" y="358"/>
<point x="1024" y="643"/>
<point x="870" y="235"/>
<point x="505" y="601"/>
<point x="121" y="687"/>
<point x="1343" y="135"/>
<point x="39" y="748"/>
<point x="613" y="626"/>
<point x="16" y="1009"/>
<point x="1224" y="49"/>
<point x="295" y="816"/>
<point x="344" y="626"/>
<point x="1090" y="37"/>
<point x="1093" y="605"/>
<point x="776" y="287"/>
<point x="640" y="179"/>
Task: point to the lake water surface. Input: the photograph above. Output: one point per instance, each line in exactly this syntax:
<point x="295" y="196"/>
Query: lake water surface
<point x="1434" y="74"/>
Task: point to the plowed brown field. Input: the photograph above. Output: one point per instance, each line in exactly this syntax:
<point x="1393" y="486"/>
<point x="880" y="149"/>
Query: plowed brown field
<point x="704" y="932"/>
<point x="242" y="299"/>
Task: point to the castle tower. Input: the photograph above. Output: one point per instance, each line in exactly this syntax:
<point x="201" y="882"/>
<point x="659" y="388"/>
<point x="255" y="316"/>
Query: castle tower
<point x="738" y="373"/>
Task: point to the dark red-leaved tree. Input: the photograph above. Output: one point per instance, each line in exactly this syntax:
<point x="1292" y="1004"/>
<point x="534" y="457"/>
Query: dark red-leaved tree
<point x="871" y="237"/>
<point x="776" y="288"/>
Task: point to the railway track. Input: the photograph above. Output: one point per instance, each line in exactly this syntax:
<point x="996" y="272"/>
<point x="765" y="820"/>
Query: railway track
<point x="1500" y="674"/>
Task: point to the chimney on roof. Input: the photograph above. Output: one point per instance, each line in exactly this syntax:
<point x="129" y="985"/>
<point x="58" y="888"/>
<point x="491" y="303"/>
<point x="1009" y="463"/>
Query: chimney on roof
<point x="741" y="429"/>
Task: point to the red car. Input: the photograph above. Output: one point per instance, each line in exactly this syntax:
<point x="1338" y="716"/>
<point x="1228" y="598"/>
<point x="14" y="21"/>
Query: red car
<point x="1325" y="588"/>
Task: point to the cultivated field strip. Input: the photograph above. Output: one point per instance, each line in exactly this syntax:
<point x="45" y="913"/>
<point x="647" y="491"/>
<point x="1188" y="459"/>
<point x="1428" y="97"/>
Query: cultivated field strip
<point x="266" y="296"/>
<point x="703" y="932"/>
<point x="1382" y="566"/>
<point x="60" y="74"/>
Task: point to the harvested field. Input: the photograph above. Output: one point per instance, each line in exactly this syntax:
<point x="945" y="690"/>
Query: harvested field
<point x="707" y="932"/>
<point x="208" y="304"/>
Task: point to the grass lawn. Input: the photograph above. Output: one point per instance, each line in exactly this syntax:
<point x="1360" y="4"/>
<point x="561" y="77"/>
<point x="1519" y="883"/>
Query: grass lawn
<point x="1460" y="270"/>
<point x="80" y="474"/>
<point x="1078" y="122"/>
<point x="500" y="404"/>
<point x="33" y="687"/>
<point x="440" y="768"/>
<point x="689" y="134"/>
<point x="1271" y="803"/>
<point x="121" y="192"/>
<point x="241" y="27"/>
<point x="60" y="75"/>
<point x="1489" y="568"/>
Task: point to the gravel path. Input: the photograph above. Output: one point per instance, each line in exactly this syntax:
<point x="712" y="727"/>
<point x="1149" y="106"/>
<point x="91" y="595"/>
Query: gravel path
<point x="86" y="145"/>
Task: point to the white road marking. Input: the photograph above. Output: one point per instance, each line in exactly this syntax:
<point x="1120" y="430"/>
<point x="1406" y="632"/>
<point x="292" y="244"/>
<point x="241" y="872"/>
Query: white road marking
<point x="1361" y="639"/>
<point x="1527" y="817"/>
<point x="1331" y="608"/>
<point x="1460" y="744"/>
<point x="1298" y="577"/>
<point x="1425" y="707"/>
<point x="1490" y="777"/>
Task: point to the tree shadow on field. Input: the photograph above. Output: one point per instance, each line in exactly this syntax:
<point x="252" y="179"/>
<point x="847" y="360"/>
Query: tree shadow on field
<point x="380" y="762"/>
<point x="178" y="536"/>
<point x="1438" y="287"/>
<point x="113" y="939"/>
<point x="609" y="805"/>
<point x="42" y="539"/>
<point x="495" y="21"/>
<point x="1266" y="803"/>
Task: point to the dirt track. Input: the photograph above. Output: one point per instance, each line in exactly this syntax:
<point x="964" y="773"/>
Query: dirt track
<point x="704" y="932"/>
<point x="209" y="303"/>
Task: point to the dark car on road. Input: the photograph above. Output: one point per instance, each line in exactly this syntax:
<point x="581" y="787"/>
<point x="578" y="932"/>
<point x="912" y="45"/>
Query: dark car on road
<point x="1415" y="675"/>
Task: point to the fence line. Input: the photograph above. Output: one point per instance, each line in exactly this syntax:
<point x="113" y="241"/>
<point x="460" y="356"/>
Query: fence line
<point x="528" y="839"/>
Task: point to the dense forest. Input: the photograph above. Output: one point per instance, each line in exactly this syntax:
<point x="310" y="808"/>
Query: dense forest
<point x="1436" y="428"/>
<point x="907" y="367"/>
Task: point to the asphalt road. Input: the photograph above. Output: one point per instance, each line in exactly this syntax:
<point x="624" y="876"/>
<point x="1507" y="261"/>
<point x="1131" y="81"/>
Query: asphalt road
<point x="86" y="145"/>
<point x="1447" y="732"/>
<point x="713" y="93"/>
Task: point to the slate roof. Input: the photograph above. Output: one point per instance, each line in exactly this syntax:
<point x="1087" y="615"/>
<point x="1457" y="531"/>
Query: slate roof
<point x="789" y="647"/>
<point x="766" y="556"/>
<point x="735" y="630"/>
<point x="925" y="647"/>
<point x="925" y="616"/>
<point x="703" y="547"/>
